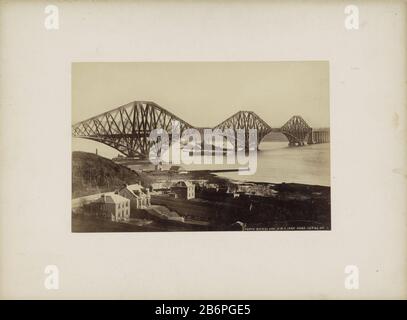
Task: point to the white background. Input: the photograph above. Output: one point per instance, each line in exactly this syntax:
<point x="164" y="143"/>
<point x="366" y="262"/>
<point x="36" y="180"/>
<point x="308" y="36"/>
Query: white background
<point x="368" y="151"/>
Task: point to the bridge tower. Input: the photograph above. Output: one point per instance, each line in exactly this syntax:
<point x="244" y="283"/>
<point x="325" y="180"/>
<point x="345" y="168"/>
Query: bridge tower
<point x="296" y="130"/>
<point x="245" y="120"/>
<point x="127" y="128"/>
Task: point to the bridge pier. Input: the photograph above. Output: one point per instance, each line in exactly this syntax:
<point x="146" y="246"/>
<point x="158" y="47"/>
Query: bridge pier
<point x="296" y="143"/>
<point x="310" y="139"/>
<point x="319" y="136"/>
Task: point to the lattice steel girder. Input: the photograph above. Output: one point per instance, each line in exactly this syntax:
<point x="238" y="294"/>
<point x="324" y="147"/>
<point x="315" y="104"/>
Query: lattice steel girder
<point x="246" y="120"/>
<point x="296" y="130"/>
<point x="127" y="128"/>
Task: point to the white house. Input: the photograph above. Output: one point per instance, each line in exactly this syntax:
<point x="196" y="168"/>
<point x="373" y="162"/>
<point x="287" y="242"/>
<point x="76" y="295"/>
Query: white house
<point x="116" y="206"/>
<point x="139" y="197"/>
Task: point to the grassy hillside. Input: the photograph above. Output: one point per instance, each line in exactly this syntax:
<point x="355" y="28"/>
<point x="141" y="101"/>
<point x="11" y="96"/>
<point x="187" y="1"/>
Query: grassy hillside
<point x="93" y="174"/>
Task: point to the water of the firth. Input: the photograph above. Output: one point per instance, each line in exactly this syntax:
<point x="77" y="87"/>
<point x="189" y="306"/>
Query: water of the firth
<point x="276" y="163"/>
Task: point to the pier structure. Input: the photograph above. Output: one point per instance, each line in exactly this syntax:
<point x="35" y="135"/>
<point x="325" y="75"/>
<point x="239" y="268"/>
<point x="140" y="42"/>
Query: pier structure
<point x="321" y="135"/>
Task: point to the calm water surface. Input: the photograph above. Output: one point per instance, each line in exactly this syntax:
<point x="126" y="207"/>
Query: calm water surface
<point x="276" y="162"/>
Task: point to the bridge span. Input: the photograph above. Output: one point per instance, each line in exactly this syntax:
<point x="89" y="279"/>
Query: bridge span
<point x="128" y="127"/>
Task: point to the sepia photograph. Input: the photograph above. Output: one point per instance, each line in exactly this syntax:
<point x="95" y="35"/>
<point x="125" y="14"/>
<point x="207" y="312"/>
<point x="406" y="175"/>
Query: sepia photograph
<point x="200" y="146"/>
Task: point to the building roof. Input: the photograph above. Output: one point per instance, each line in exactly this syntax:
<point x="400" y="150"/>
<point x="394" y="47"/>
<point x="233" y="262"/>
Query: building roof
<point x="114" y="198"/>
<point x="134" y="187"/>
<point x="184" y="183"/>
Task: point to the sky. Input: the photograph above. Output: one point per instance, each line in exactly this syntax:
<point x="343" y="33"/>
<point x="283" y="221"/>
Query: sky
<point x="205" y="93"/>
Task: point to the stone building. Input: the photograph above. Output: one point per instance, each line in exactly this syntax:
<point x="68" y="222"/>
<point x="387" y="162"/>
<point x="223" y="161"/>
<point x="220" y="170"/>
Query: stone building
<point x="115" y="207"/>
<point x="184" y="189"/>
<point x="139" y="197"/>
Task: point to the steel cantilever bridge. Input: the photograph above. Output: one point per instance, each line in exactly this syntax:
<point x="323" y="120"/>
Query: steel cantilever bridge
<point x="128" y="127"/>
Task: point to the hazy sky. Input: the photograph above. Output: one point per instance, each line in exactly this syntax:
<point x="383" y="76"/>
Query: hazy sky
<point x="206" y="93"/>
